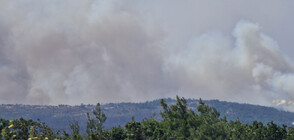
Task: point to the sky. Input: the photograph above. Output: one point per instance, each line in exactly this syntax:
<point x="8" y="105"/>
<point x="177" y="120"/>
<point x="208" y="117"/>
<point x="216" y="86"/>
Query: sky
<point x="72" y="52"/>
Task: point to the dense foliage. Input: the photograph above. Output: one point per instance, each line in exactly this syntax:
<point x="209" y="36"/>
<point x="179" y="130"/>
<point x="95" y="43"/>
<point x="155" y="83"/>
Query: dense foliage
<point x="178" y="122"/>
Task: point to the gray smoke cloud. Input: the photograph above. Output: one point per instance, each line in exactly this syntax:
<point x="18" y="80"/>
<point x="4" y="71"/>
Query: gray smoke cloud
<point x="251" y="67"/>
<point x="69" y="52"/>
<point x="72" y="52"/>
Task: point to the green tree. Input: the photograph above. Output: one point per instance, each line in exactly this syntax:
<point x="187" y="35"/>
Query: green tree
<point x="275" y="132"/>
<point x="75" y="127"/>
<point x="95" y="126"/>
<point x="149" y="128"/>
<point x="176" y="118"/>
<point x="133" y="129"/>
<point x="117" y="133"/>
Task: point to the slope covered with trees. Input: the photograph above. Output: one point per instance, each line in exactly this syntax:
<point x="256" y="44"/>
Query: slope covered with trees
<point x="60" y="117"/>
<point x="178" y="122"/>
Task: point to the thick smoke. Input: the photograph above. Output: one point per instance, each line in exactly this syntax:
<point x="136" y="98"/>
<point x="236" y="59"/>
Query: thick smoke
<point x="72" y="52"/>
<point x="251" y="68"/>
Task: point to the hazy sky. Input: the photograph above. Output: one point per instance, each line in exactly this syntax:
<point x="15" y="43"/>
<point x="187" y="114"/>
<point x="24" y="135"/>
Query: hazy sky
<point x="73" y="51"/>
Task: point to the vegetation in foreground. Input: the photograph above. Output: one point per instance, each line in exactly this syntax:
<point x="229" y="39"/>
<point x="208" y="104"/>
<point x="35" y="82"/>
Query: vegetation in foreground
<point x="179" y="122"/>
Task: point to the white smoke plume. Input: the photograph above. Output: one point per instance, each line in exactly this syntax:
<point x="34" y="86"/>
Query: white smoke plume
<point x="251" y="67"/>
<point x="72" y="52"/>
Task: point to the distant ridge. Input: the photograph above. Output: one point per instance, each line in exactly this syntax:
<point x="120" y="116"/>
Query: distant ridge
<point x="59" y="117"/>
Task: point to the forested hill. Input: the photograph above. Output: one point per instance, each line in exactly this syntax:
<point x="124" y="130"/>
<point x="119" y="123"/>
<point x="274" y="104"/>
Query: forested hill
<point x="59" y="117"/>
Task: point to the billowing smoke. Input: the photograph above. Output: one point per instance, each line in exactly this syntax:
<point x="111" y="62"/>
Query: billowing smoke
<point x="249" y="67"/>
<point x="72" y="52"/>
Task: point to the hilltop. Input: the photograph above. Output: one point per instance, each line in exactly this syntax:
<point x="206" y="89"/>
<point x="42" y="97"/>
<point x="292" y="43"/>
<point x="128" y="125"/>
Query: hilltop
<point x="59" y="117"/>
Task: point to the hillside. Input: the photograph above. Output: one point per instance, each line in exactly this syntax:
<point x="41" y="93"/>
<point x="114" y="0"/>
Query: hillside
<point x="59" y="117"/>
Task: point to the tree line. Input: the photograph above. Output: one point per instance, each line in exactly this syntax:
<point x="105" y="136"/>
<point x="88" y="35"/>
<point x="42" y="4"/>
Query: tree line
<point x="178" y="123"/>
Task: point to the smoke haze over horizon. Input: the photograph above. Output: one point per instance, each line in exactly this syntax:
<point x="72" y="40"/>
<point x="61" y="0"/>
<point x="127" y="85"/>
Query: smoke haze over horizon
<point x="72" y="52"/>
